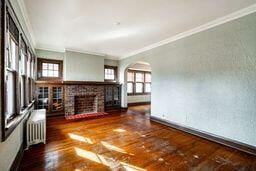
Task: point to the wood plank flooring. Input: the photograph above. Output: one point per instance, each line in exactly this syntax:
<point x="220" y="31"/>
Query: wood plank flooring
<point x="128" y="141"/>
<point x="141" y="109"/>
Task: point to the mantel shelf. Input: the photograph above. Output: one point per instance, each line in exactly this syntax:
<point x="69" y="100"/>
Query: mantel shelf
<point x="75" y="82"/>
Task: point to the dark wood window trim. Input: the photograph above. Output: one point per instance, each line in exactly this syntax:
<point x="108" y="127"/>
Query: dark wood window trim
<point x="11" y="28"/>
<point x="134" y="82"/>
<point x="115" y="73"/>
<point x="40" y="62"/>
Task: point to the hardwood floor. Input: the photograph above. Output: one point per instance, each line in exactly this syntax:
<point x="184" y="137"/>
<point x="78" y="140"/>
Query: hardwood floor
<point x="141" y="109"/>
<point x="128" y="141"/>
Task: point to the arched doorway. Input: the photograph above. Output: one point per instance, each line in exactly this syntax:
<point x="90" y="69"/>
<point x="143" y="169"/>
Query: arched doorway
<point x="137" y="80"/>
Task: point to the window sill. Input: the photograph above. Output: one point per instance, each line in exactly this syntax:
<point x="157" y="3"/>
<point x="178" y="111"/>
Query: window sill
<point x="16" y="120"/>
<point x="110" y="80"/>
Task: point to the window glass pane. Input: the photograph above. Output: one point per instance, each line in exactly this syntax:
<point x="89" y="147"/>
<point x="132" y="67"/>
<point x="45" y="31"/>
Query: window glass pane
<point x="147" y="77"/>
<point x="56" y="67"/>
<point x="50" y="73"/>
<point x="50" y="70"/>
<point x="13" y="54"/>
<point x="56" y="73"/>
<point x="22" y="63"/>
<point x="45" y="73"/>
<point x="139" y="87"/>
<point x="10" y="90"/>
<point x="129" y="87"/>
<point x="109" y="74"/>
<point x="22" y="91"/>
<point x="139" y="77"/>
<point x="147" y="87"/>
<point x="28" y="67"/>
<point x="50" y="66"/>
<point x="130" y="76"/>
<point x="45" y="66"/>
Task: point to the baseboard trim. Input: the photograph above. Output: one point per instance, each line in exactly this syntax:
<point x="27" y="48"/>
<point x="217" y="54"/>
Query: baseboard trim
<point x="138" y="104"/>
<point x="16" y="163"/>
<point x="215" y="138"/>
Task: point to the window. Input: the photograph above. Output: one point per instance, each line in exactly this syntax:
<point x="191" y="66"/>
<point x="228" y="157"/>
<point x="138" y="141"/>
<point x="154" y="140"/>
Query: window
<point x="110" y="73"/>
<point x="16" y="75"/>
<point x="49" y="69"/>
<point x="23" y="62"/>
<point x="138" y="82"/>
<point x="129" y="87"/>
<point x="11" y="59"/>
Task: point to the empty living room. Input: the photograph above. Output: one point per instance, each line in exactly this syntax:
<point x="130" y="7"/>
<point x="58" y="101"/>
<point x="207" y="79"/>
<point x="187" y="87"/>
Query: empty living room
<point x="128" y="85"/>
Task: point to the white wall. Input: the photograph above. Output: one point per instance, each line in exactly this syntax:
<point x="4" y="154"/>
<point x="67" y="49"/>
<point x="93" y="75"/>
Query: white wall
<point x="50" y="54"/>
<point x="10" y="147"/>
<point x="111" y="62"/>
<point x="206" y="81"/>
<point x="79" y="66"/>
<point x="83" y="67"/>
<point x="138" y="98"/>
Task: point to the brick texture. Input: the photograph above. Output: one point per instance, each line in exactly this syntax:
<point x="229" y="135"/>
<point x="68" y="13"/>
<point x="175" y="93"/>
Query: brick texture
<point x="83" y="99"/>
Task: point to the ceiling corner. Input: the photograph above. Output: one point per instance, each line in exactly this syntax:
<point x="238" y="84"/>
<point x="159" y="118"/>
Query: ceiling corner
<point x="27" y="23"/>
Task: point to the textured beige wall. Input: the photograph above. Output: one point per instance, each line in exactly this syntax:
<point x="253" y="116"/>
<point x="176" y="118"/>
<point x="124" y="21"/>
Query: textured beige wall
<point x="206" y="81"/>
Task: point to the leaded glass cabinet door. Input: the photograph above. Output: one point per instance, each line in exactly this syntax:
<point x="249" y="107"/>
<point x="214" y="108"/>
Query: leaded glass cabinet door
<point x="112" y="97"/>
<point x="43" y="98"/>
<point x="116" y="95"/>
<point x="57" y="99"/>
<point x="108" y="96"/>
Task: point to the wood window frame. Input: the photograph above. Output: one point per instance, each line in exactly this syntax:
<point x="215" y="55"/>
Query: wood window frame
<point x="146" y="82"/>
<point x="115" y="73"/>
<point x="40" y="62"/>
<point x="10" y="28"/>
<point x="134" y="82"/>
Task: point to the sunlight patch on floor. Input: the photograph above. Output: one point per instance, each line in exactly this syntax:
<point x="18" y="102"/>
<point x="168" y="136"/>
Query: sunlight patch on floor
<point x="80" y="138"/>
<point x="112" y="147"/>
<point x="106" y="161"/>
<point x="119" y="130"/>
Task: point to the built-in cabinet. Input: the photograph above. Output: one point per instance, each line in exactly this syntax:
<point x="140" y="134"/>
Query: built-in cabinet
<point x="112" y="97"/>
<point x="50" y="97"/>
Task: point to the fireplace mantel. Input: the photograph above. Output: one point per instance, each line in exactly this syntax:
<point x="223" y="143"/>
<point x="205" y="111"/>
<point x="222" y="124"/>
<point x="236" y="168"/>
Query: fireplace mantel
<point x="76" y="82"/>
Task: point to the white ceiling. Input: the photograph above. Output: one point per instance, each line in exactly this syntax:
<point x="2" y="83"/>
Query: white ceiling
<point x="89" y="25"/>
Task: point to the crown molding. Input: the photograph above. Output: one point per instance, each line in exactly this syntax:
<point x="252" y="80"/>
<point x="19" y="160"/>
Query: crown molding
<point x="211" y="24"/>
<point x="106" y="56"/>
<point x="85" y="52"/>
<point x="78" y="51"/>
<point x="235" y="15"/>
<point x="27" y="22"/>
<point x="50" y="49"/>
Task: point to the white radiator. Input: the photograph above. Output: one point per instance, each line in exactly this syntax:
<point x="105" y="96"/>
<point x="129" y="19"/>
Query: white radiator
<point x="36" y="127"/>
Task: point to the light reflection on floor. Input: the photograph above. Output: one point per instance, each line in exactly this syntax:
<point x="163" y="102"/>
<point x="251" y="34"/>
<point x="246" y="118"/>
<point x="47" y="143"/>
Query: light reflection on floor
<point x="80" y="138"/>
<point x="113" y="164"/>
<point x="120" y="130"/>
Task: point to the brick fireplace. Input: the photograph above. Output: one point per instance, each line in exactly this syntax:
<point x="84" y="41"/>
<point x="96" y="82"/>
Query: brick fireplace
<point x="86" y="104"/>
<point x="84" y="99"/>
